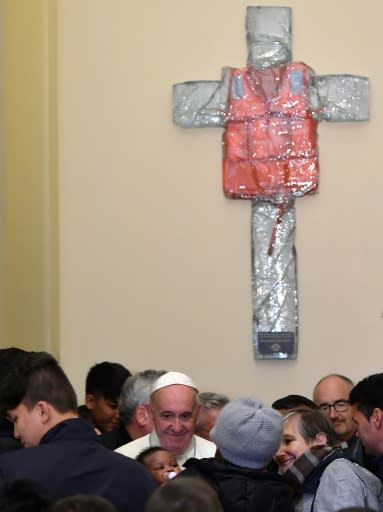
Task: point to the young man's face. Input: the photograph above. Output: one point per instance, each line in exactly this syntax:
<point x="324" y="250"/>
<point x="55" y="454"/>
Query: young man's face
<point x="103" y="412"/>
<point x="174" y="410"/>
<point x="27" y="424"/>
<point x="367" y="432"/>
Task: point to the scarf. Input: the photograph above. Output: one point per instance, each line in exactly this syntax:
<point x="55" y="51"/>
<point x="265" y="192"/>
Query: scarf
<point x="307" y="463"/>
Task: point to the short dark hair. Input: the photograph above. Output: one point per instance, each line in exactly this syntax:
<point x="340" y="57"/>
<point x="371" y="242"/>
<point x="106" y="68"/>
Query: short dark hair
<point x="23" y="495"/>
<point x="148" y="451"/>
<point x="106" y="379"/>
<point x="184" y="494"/>
<point x="313" y="422"/>
<point x="368" y="394"/>
<point x="10" y="358"/>
<point x="38" y="377"/>
<point x="293" y="402"/>
<point x="83" y="503"/>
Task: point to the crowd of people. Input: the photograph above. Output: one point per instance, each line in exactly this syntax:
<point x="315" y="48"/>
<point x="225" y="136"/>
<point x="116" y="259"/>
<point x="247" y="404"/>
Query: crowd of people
<point x="151" y="441"/>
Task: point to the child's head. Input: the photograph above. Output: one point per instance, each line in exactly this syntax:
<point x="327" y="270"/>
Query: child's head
<point x="161" y="463"/>
<point x="189" y="494"/>
<point x="258" y="432"/>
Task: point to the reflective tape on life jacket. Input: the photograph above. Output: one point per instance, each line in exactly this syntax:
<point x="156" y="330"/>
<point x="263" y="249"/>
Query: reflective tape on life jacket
<point x="270" y="139"/>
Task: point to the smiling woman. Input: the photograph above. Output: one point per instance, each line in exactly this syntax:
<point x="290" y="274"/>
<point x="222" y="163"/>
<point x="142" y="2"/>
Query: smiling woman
<point x="312" y="462"/>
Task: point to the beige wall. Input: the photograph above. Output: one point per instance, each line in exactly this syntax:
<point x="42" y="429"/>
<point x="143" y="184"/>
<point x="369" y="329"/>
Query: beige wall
<point x="154" y="262"/>
<point x="26" y="156"/>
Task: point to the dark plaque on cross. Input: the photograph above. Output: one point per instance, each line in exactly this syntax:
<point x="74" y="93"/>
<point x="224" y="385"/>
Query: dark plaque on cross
<point x="270" y="110"/>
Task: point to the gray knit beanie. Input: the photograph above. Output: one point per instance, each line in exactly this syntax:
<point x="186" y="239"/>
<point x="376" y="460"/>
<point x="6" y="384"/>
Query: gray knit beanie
<point x="247" y="434"/>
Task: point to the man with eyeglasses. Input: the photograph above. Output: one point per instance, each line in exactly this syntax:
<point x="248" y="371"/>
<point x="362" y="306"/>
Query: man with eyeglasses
<point x="331" y="395"/>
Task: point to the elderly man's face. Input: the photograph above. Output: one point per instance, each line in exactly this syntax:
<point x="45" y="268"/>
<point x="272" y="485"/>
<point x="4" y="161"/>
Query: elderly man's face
<point x="206" y="421"/>
<point x="174" y="410"/>
<point x="331" y="392"/>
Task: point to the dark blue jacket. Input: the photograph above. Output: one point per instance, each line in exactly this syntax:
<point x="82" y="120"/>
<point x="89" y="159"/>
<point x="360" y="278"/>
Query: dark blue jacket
<point x="375" y="465"/>
<point x="71" y="460"/>
<point x="115" y="438"/>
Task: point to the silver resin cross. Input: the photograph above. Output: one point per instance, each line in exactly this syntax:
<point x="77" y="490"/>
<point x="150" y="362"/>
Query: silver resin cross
<point x="233" y="102"/>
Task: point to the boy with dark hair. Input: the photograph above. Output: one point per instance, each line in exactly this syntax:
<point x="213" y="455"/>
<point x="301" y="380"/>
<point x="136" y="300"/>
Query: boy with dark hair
<point x="64" y="453"/>
<point x="103" y="387"/>
<point x="367" y="401"/>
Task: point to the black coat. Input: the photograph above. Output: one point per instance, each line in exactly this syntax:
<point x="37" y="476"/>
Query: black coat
<point x="354" y="451"/>
<point x="71" y="460"/>
<point x="241" y="489"/>
<point x="115" y="438"/>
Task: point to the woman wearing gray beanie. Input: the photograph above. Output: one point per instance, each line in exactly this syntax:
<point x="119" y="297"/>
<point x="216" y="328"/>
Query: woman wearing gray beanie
<point x="247" y="435"/>
<point x="314" y="465"/>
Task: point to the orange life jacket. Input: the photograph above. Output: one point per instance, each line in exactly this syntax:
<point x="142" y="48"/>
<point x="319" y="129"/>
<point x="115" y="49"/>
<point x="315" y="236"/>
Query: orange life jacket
<point x="270" y="139"/>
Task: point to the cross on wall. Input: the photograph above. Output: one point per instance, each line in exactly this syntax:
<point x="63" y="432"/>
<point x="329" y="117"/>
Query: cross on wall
<point x="213" y="103"/>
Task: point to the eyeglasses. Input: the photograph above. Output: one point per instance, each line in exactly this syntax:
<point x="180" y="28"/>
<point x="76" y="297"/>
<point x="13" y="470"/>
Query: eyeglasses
<point x="338" y="405"/>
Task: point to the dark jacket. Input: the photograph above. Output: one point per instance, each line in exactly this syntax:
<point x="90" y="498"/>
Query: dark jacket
<point x="115" y="438"/>
<point x="71" y="460"/>
<point x="375" y="465"/>
<point x="84" y="413"/>
<point x="241" y="489"/>
<point x="353" y="450"/>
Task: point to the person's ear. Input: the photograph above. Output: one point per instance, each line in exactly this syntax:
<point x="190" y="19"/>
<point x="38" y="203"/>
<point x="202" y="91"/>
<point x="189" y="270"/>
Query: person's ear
<point x="43" y="410"/>
<point x="148" y="410"/>
<point x="320" y="438"/>
<point x="377" y="418"/>
<point x="90" y="401"/>
<point x="142" y="415"/>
